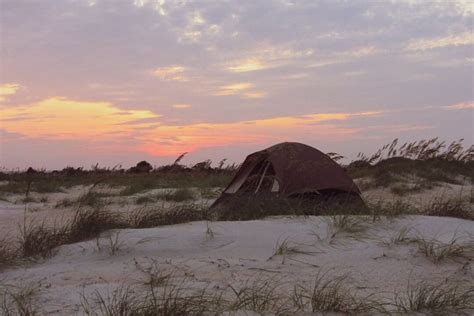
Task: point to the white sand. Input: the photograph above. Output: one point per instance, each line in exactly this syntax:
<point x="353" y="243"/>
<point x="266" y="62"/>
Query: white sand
<point x="240" y="251"/>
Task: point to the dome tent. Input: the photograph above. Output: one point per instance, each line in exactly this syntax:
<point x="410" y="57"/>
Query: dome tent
<point x="290" y="170"/>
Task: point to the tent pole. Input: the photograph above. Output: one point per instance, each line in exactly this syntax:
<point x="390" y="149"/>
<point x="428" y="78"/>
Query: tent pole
<point x="261" y="178"/>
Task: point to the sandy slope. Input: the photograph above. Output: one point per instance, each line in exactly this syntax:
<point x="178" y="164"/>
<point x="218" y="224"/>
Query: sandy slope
<point x="240" y="251"/>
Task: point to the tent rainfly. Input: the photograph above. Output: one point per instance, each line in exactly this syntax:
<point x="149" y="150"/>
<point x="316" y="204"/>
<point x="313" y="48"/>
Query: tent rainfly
<point x="289" y="170"/>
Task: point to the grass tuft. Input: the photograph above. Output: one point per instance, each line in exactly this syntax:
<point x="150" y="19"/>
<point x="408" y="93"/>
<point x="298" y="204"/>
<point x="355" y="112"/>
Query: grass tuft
<point x="144" y="218"/>
<point x="437" y="251"/>
<point x="16" y="300"/>
<point x="144" y="200"/>
<point x="89" y="223"/>
<point x="38" y="240"/>
<point x="423" y="297"/>
<point x="344" y="228"/>
<point x="332" y="294"/>
<point x="8" y="253"/>
<point x="451" y="207"/>
<point x="168" y="299"/>
<point x="178" y="195"/>
<point x="260" y="295"/>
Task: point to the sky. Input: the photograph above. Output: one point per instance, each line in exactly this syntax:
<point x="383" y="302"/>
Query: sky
<point x="115" y="82"/>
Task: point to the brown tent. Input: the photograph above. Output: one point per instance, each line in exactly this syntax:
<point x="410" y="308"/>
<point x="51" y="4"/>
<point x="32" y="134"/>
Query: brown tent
<point x="289" y="170"/>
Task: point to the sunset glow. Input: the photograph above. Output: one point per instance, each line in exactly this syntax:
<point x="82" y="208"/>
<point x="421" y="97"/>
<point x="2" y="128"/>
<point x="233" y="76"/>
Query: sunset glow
<point x="125" y="81"/>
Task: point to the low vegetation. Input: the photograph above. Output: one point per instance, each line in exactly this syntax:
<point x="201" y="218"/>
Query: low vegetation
<point x="8" y="254"/>
<point x="260" y="295"/>
<point x="415" y="167"/>
<point x="349" y="225"/>
<point x="334" y="294"/>
<point x="437" y="251"/>
<point x="286" y="248"/>
<point x="402" y="170"/>
<point x="19" y="300"/>
<point x="327" y="294"/>
<point x="168" y="299"/>
<point x="426" y="297"/>
<point x="178" y="195"/>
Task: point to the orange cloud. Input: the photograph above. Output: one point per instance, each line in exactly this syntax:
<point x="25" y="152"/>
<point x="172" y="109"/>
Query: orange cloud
<point x="173" y="140"/>
<point x="246" y="65"/>
<point x="254" y="95"/>
<point x="8" y="89"/>
<point x="460" y="106"/>
<point x="61" y="118"/>
<point x="233" y="89"/>
<point x="171" y="73"/>
<point x="181" y="106"/>
<point x="266" y="56"/>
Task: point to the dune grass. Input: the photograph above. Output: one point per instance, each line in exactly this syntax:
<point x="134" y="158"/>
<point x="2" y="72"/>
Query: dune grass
<point x="328" y="293"/>
<point x="449" y="207"/>
<point x="400" y="237"/>
<point x="19" y="300"/>
<point x="8" y="253"/>
<point x="259" y="295"/>
<point x="167" y="299"/>
<point x="343" y="229"/>
<point x="286" y="248"/>
<point x="178" y="195"/>
<point x="178" y="214"/>
<point x="426" y="297"/>
<point x="437" y="251"/>
<point x="334" y="294"/>
<point x="39" y="240"/>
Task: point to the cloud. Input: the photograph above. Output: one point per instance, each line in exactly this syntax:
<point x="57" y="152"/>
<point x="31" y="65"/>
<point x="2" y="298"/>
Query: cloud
<point x="460" y="106"/>
<point x="254" y="95"/>
<point x="188" y="138"/>
<point x="8" y="89"/>
<point x="246" y="65"/>
<point x="266" y="56"/>
<point x="170" y="73"/>
<point x="241" y="89"/>
<point x="466" y="38"/>
<point x="346" y="56"/>
<point x="157" y="5"/>
<point x="61" y="118"/>
<point x="196" y="28"/>
<point x="233" y="89"/>
<point x="181" y="106"/>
